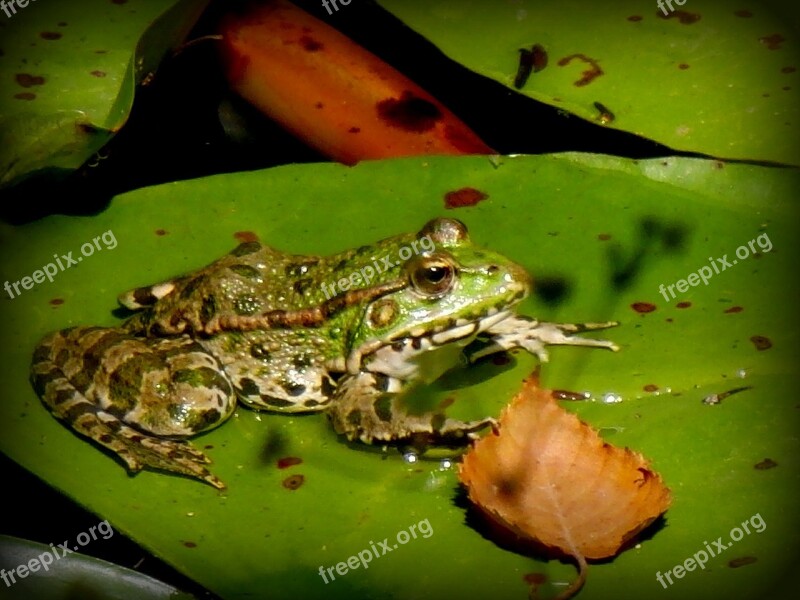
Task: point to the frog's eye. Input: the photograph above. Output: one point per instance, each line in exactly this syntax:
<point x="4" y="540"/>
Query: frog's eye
<point x="433" y="276"/>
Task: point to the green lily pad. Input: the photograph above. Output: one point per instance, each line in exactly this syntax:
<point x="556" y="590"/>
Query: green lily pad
<point x="713" y="78"/>
<point x="73" y="576"/>
<point x="600" y="235"/>
<point x="70" y="71"/>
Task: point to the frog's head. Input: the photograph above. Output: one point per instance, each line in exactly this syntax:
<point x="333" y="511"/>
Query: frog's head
<point x="447" y="294"/>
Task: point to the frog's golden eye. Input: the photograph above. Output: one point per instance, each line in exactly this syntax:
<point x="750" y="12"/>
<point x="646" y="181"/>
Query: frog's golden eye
<point x="433" y="275"/>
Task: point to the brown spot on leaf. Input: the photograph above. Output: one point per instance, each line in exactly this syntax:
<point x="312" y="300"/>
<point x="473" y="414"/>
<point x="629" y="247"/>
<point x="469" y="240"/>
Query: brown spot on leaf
<point x="604" y="237"/>
<point x="293" y="481"/>
<point x="161" y="232"/>
<point x="745" y="14"/>
<point x="288" y="461"/>
<point x="533" y="60"/>
<point x="683" y="66"/>
<point x="788" y="70"/>
<point x="466" y="196"/>
<point x="27" y="80"/>
<point x="98" y="73"/>
<point x="683" y="304"/>
<point x="539" y="57"/>
<point x="765" y="464"/>
<point x="773" y="42"/>
<point x="643" y="307"/>
<point x="734" y="309"/>
<point x="101" y="51"/>
<point x="190" y="544"/>
<point x="25" y="96"/>
<point x="310" y="44"/>
<point x="685" y="17"/>
<point x="589" y="74"/>
<point x="535" y="578"/>
<point x="57" y="301"/>
<point x="741" y="561"/>
<point x="761" y="342"/>
<point x="409" y="112"/>
<point x="50" y="35"/>
<point x="446" y="403"/>
<point x="246" y="236"/>
<point x="650" y="387"/>
<point x="635" y="18"/>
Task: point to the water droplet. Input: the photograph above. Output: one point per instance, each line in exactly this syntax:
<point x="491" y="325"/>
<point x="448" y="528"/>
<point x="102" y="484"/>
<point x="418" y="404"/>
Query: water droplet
<point x="611" y="398"/>
<point x="410" y="457"/>
<point x="741" y="373"/>
<point x="445" y="464"/>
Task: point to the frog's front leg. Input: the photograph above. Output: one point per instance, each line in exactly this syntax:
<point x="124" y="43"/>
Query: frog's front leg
<point x="368" y="407"/>
<point x="136" y="397"/>
<point x="532" y="335"/>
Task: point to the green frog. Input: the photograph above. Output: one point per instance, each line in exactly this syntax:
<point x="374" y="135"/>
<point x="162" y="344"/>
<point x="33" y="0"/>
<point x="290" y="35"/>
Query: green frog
<point x="343" y="334"/>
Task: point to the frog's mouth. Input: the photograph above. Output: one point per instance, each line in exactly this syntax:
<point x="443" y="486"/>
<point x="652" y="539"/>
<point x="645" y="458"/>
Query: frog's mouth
<point x="417" y="341"/>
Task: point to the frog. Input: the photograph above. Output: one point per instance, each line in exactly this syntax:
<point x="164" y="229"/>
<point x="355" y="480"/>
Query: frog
<point x="347" y="334"/>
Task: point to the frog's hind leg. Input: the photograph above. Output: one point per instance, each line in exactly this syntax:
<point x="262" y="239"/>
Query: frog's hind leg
<point x="126" y="393"/>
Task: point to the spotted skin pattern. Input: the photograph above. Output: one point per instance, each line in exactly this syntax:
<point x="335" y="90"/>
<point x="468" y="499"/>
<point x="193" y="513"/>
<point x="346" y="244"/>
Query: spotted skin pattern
<point x="256" y="326"/>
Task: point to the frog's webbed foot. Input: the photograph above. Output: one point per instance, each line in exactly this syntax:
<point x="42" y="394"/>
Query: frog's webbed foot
<point x="139" y="450"/>
<point x="367" y="407"/>
<point x="533" y="335"/>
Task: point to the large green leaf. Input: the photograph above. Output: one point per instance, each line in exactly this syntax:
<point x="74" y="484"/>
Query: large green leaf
<point x="725" y="85"/>
<point x="69" y="73"/>
<point x="599" y="233"/>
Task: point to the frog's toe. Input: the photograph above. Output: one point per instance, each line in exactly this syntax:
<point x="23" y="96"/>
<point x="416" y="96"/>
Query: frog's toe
<point x="168" y="455"/>
<point x="139" y="450"/>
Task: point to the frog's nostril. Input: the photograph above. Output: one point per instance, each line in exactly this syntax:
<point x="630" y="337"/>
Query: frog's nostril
<point x="492" y="269"/>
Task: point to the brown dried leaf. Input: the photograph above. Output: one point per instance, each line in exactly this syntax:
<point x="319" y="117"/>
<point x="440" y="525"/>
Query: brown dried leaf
<point x="550" y="477"/>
